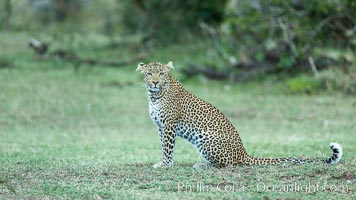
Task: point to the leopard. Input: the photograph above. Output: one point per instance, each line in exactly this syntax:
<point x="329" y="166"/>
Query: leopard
<point x="177" y="112"/>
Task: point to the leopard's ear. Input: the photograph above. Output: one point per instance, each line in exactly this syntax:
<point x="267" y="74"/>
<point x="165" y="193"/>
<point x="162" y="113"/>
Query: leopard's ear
<point x="169" y="65"/>
<point x="141" y="67"/>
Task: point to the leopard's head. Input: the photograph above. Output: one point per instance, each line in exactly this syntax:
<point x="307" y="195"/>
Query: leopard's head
<point x="155" y="75"/>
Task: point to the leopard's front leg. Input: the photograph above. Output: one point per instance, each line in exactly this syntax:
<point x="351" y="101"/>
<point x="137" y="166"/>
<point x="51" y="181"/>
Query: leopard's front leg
<point x="168" y="139"/>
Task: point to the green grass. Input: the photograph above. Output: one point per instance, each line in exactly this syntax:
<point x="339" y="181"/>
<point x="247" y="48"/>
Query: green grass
<point x="88" y="135"/>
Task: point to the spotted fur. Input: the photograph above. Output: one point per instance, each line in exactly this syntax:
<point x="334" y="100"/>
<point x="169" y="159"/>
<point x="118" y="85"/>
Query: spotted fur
<point x="177" y="112"/>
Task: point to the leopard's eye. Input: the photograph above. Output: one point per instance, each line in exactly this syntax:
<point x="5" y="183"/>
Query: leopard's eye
<point x="149" y="73"/>
<point x="161" y="73"/>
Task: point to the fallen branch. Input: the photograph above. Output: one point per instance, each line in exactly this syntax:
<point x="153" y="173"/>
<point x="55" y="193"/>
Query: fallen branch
<point x="39" y="47"/>
<point x="42" y="51"/>
<point x="63" y="55"/>
<point x="208" y="71"/>
<point x="211" y="72"/>
<point x="254" y="72"/>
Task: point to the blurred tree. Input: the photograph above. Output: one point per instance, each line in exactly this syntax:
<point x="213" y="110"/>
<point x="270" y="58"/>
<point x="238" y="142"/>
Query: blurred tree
<point x="280" y="37"/>
<point x="169" y="19"/>
<point x="49" y="11"/>
<point x="289" y="31"/>
<point x="7" y="12"/>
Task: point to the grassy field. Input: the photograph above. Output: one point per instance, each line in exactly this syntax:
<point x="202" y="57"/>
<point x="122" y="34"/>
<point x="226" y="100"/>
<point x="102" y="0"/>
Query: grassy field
<point x="88" y="135"/>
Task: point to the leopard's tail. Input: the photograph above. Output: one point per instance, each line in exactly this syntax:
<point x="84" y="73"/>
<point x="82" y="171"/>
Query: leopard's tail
<point x="335" y="158"/>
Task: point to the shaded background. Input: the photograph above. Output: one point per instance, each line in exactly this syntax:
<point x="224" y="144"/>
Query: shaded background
<point x="310" y="45"/>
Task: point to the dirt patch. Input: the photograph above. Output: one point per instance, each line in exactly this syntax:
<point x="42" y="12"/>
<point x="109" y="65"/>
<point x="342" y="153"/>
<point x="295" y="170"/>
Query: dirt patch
<point x="345" y="176"/>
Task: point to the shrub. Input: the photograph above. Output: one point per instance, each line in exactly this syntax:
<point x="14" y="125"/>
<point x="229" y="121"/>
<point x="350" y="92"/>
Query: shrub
<point x="289" y="31"/>
<point x="330" y="80"/>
